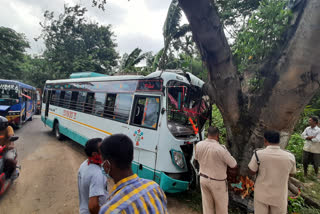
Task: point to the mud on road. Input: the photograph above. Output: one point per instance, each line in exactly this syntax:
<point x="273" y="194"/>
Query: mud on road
<point x="48" y="179"/>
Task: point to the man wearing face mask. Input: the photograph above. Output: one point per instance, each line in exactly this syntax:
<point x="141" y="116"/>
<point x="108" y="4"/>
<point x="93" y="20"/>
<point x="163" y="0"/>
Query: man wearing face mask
<point x="92" y="183"/>
<point x="130" y="193"/>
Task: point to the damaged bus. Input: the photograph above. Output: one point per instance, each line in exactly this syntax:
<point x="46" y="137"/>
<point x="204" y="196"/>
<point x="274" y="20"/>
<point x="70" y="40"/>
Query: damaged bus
<point x="163" y="113"/>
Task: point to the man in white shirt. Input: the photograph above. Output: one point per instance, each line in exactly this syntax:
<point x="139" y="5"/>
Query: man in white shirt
<point x="311" y="149"/>
<point x="91" y="181"/>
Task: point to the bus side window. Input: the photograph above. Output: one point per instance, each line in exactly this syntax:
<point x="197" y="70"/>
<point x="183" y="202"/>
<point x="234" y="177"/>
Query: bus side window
<point x="61" y="100"/>
<point x="88" y="107"/>
<point x="122" y="107"/>
<point x="67" y="99"/>
<point x="100" y="99"/>
<point x="53" y="97"/>
<point x="74" y="99"/>
<point x="44" y="99"/>
<point x="109" y="107"/>
<point x="146" y="112"/>
<point x="81" y="101"/>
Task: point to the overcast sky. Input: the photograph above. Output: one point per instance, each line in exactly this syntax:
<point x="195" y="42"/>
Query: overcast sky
<point x="136" y="23"/>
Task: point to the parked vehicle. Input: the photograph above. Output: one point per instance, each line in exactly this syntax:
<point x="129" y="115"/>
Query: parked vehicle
<point x="17" y="101"/>
<point x="163" y="113"/>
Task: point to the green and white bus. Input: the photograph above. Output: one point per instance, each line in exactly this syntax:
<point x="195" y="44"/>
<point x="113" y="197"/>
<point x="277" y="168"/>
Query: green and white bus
<point x="163" y="113"/>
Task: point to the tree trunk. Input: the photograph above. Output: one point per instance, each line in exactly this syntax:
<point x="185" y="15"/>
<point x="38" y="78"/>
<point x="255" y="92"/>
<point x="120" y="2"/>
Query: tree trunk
<point x="291" y="77"/>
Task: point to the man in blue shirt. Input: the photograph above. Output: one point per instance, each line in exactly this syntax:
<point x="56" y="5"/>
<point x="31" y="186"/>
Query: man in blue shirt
<point x="130" y="193"/>
<point x="92" y="183"/>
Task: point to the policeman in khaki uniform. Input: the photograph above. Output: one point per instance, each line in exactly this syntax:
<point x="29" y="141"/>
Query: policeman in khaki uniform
<point x="214" y="160"/>
<point x="273" y="167"/>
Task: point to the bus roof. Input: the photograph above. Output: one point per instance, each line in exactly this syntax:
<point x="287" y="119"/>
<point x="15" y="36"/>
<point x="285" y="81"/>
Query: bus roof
<point x="23" y="85"/>
<point x="86" y="74"/>
<point x="166" y="75"/>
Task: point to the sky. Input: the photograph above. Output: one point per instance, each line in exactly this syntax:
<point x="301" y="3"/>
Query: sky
<point x="136" y="23"/>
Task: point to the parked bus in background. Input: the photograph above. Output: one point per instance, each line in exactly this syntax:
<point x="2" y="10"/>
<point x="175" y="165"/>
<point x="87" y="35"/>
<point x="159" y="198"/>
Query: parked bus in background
<point x="163" y="113"/>
<point x="17" y="101"/>
<point x="39" y="100"/>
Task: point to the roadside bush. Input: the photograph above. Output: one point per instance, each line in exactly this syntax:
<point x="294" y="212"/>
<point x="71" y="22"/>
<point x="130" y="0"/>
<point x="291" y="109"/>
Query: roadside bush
<point x="295" y="146"/>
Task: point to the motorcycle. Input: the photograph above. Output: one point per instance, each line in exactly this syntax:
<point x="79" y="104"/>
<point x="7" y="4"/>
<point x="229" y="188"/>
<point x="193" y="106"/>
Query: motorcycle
<point x="6" y="180"/>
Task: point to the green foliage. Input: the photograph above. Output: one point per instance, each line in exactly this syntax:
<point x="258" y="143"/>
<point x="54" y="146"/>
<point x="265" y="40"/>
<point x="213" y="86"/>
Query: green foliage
<point x="12" y="48"/>
<point x="36" y="71"/>
<point x="217" y="121"/>
<point x="308" y="210"/>
<point x="129" y="62"/>
<point x="295" y="146"/>
<point x="262" y="35"/>
<point x="295" y="205"/>
<point x="74" y="45"/>
<point x="232" y="12"/>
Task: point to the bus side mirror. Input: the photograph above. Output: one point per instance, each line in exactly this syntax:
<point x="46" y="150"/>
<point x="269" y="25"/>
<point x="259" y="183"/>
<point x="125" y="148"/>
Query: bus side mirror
<point x="163" y="110"/>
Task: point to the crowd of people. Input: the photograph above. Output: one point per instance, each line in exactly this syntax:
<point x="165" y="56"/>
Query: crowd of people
<point x="111" y="159"/>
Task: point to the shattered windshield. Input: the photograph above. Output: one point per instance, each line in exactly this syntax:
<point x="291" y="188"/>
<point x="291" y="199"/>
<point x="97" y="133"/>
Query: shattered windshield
<point x="185" y="107"/>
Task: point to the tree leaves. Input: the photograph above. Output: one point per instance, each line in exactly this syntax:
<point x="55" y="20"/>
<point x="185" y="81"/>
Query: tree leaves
<point x="74" y="45"/>
<point x="12" y="48"/>
<point x="262" y="35"/>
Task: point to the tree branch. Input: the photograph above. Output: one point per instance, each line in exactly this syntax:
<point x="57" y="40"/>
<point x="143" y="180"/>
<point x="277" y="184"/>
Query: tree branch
<point x="209" y="36"/>
<point x="296" y="73"/>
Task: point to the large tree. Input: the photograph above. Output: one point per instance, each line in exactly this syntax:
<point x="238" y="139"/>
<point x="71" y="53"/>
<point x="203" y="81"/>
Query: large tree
<point x="290" y="76"/>
<point x="12" y="49"/>
<point x="75" y="45"/>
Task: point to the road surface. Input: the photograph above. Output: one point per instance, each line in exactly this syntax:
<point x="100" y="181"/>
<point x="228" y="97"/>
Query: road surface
<point x="48" y="179"/>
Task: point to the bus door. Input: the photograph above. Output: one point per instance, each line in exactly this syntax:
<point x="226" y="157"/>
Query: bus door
<point x="143" y="130"/>
<point x="47" y="99"/>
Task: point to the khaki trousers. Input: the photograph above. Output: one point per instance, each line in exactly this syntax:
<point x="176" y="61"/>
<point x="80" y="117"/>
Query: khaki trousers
<point x="261" y="208"/>
<point x="214" y="196"/>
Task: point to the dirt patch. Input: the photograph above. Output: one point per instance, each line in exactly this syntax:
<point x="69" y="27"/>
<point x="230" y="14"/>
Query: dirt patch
<point x="47" y="183"/>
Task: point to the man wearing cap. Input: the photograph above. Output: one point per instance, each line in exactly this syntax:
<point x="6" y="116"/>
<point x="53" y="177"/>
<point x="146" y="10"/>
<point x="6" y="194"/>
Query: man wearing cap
<point x="214" y="160"/>
<point x="273" y="167"/>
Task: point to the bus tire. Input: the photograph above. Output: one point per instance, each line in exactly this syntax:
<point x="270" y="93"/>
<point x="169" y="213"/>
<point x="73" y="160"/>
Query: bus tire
<point x="30" y="119"/>
<point x="56" y="131"/>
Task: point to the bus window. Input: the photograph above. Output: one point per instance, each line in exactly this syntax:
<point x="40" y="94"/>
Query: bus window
<point x="81" y="101"/>
<point x="67" y="99"/>
<point x="44" y="99"/>
<point x="109" y="107"/>
<point x="89" y="103"/>
<point x="100" y="98"/>
<point x="146" y="111"/>
<point x="122" y="107"/>
<point x="74" y="99"/>
<point x="61" y="100"/>
<point x="53" y="97"/>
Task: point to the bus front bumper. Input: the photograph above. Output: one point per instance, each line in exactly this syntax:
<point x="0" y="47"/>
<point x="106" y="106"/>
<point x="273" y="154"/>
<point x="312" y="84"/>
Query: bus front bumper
<point x="171" y="185"/>
<point x="14" y="119"/>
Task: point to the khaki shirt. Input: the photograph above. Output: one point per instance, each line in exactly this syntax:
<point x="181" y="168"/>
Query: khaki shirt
<point x="214" y="159"/>
<point x="4" y="136"/>
<point x="313" y="145"/>
<point x="271" y="186"/>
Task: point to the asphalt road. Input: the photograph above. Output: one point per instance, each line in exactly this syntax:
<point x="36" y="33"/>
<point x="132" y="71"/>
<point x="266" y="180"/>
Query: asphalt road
<point x="48" y="179"/>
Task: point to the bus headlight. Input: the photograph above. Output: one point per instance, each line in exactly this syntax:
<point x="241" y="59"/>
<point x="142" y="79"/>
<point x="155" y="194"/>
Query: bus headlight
<point x="13" y="113"/>
<point x="178" y="159"/>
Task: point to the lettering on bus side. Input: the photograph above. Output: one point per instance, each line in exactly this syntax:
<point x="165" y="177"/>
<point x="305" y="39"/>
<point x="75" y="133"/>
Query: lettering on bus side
<point x="69" y="114"/>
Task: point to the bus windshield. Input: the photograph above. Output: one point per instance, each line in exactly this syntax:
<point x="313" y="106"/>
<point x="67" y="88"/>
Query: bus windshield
<point x="185" y="107"/>
<point x="9" y="94"/>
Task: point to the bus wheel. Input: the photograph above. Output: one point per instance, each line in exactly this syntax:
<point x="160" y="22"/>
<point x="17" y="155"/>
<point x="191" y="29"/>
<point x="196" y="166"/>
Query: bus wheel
<point x="30" y="119"/>
<point x="56" y="130"/>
